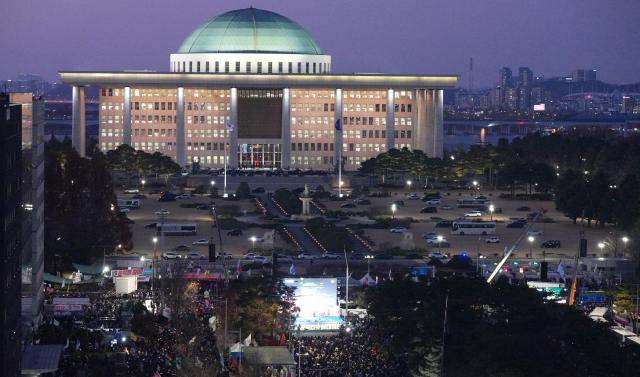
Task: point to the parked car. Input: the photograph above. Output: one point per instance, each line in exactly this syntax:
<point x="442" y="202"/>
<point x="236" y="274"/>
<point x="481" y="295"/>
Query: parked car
<point x="330" y="255"/>
<point x="203" y="207"/>
<point x="131" y="191"/>
<point x="535" y="232"/>
<point x="551" y="244"/>
<point x="517" y="224"/>
<point x="139" y="196"/>
<point x="258" y="190"/>
<point x="306" y="256"/>
<point x="492" y="239"/>
<point x="256" y="239"/>
<point x="446" y="207"/>
<point x="436" y="242"/>
<point x="200" y="242"/>
<point x="473" y="214"/>
<point x="437" y="255"/>
<point x="170" y="255"/>
<point x="249" y="256"/>
<point x="124" y="209"/>
<point x="383" y="256"/>
<point x="429" y="210"/>
<point x="444" y="224"/>
<point x="283" y="258"/>
<point x="194" y="255"/>
<point x="413" y="196"/>
<point x="151" y="226"/>
<point x="234" y="232"/>
<point x="363" y="201"/>
<point x="434" y="201"/>
<point x="225" y="256"/>
<point x="523" y="209"/>
<point x="429" y="235"/>
<point x="348" y="205"/>
<point x="181" y="248"/>
<point x="261" y="258"/>
<point x="398" y="229"/>
<point x="183" y="196"/>
<point x="163" y="212"/>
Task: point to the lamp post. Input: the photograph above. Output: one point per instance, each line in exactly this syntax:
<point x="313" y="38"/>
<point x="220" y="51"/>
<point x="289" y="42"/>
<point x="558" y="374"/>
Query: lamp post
<point x="253" y="243"/>
<point x="601" y="246"/>
<point x="409" y="184"/>
<point x="143" y="182"/>
<point x="346" y="283"/>
<point x="368" y="257"/>
<point x="153" y="270"/>
<point x="475" y="185"/>
<point x="530" y="239"/>
<point x="213" y="183"/>
<point x="439" y="238"/>
<point x="340" y="183"/>
<point x="625" y="241"/>
<point x="394" y="207"/>
<point x="491" y="209"/>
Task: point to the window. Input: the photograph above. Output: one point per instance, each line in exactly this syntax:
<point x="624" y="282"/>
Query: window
<point x="351" y="147"/>
<point x="248" y="68"/>
<point x="384" y="108"/>
<point x="409" y="134"/>
<point x="396" y="107"/>
<point x="183" y="66"/>
<point x="307" y="67"/>
<point x="402" y="108"/>
<point x="280" y="67"/>
<point x="290" y="67"/>
<point x="217" y="67"/>
<point x="259" y="67"/>
<point x="270" y="67"/>
<point x="363" y="134"/>
<point x="409" y="108"/>
<point x="206" y="67"/>
<point x="226" y="67"/>
<point x="198" y="66"/>
<point x="190" y="66"/>
<point x="299" y="67"/>
<point x="110" y="92"/>
<point x="293" y="146"/>
<point x="314" y="67"/>
<point x="237" y="66"/>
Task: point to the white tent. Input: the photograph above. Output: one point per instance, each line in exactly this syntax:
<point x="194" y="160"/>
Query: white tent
<point x="368" y="280"/>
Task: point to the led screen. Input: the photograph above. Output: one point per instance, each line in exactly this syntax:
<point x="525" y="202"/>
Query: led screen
<point x="316" y="299"/>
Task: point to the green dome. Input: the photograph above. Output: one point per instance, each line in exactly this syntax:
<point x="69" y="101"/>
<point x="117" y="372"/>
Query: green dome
<point x="250" y="30"/>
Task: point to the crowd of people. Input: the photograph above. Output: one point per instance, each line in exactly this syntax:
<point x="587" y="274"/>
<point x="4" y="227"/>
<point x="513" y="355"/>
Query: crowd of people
<point x="356" y="351"/>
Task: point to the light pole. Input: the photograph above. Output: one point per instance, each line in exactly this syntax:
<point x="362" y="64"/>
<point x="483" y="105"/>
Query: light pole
<point x="340" y="183"/>
<point x="439" y="238"/>
<point x="368" y="257"/>
<point x="346" y="283"/>
<point x="153" y="271"/>
<point x="253" y="243"/>
<point x="601" y="246"/>
<point x="625" y="240"/>
<point x="409" y="184"/>
<point x="143" y="182"/>
<point x="475" y="185"/>
<point x="491" y="209"/>
<point x="394" y="207"/>
<point x="531" y="239"/>
<point x="213" y="183"/>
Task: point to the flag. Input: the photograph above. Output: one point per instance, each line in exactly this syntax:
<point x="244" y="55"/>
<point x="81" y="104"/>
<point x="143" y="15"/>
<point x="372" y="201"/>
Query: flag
<point x="283" y="339"/>
<point x="63" y="282"/>
<point x="338" y="124"/>
<point x="238" y="267"/>
<point x="247" y="341"/>
<point x="390" y="275"/>
<point x="292" y="269"/>
<point x="560" y="270"/>
<point x="67" y="344"/>
<point x="229" y="126"/>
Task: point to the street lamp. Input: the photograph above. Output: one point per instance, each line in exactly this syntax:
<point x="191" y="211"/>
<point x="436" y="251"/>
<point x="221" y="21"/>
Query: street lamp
<point x="143" y="182"/>
<point x="394" y="207"/>
<point x="475" y="185"/>
<point x="340" y="183"/>
<point x="142" y="259"/>
<point x="601" y="246"/>
<point x="253" y="243"/>
<point x="530" y="239"/>
<point x="491" y="209"/>
<point x="368" y="257"/>
<point x="439" y="238"/>
<point x="409" y="184"/>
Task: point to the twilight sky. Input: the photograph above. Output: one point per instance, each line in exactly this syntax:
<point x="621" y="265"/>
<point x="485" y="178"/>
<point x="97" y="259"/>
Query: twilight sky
<point x="552" y="37"/>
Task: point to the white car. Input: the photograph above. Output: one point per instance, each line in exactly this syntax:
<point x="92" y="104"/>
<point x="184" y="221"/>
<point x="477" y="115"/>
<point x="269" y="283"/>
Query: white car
<point x="162" y="212"/>
<point x="284" y="258"/>
<point x="413" y="196"/>
<point x="170" y="255"/>
<point x="435" y="241"/>
<point x="330" y="255"/>
<point x="194" y="255"/>
<point x="200" y="242"/>
<point x="430" y="235"/>
<point x="124" y="209"/>
<point x="398" y="229"/>
<point x="261" y="258"/>
<point x="492" y="239"/>
<point x="434" y="201"/>
<point x="473" y="214"/>
<point x="131" y="191"/>
<point x="249" y="256"/>
<point x="535" y="232"/>
<point x="437" y="255"/>
<point x="256" y="239"/>
<point x="306" y="256"/>
<point x="183" y="196"/>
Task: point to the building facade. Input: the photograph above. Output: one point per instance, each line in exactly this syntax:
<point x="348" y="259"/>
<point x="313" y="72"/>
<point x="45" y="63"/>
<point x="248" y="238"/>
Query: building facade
<point x="251" y="88"/>
<point x="10" y="236"/>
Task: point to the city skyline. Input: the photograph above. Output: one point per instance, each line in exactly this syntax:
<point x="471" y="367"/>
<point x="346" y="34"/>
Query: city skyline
<point x="451" y="34"/>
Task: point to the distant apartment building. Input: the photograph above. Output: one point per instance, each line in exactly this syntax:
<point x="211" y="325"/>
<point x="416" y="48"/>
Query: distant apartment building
<point x="579" y="75"/>
<point x="10" y="236"/>
<point x="32" y="173"/>
<point x="525" y="77"/>
<point x="628" y="104"/>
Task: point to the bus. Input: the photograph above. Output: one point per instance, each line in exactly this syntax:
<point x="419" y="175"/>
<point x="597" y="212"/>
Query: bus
<point x="472" y="203"/>
<point x="473" y="227"/>
<point x="176" y="229"/>
<point x="129" y="203"/>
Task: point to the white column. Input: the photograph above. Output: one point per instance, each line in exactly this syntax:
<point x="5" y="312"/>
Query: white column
<point x="180" y="139"/>
<point x="429" y="124"/>
<point x="337" y="135"/>
<point x="438" y="129"/>
<point x="419" y="140"/>
<point x="126" y="125"/>
<point x="78" y="123"/>
<point x="390" y="140"/>
<point x="233" y="137"/>
<point x="286" y="129"/>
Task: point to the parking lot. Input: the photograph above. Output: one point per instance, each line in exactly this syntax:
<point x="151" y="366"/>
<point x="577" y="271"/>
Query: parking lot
<point x="561" y="228"/>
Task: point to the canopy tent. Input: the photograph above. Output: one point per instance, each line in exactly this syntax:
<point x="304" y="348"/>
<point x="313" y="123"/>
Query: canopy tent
<point x="38" y="359"/>
<point x="51" y="278"/>
<point x="93" y="269"/>
<point x="267" y="355"/>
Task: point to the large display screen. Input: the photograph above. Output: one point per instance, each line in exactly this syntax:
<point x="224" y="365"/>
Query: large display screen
<point x="259" y="113"/>
<point x="316" y="299"/>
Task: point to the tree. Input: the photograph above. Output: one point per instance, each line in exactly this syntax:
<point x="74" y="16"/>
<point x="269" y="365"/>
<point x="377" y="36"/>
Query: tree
<point x="571" y="195"/>
<point x="243" y="191"/>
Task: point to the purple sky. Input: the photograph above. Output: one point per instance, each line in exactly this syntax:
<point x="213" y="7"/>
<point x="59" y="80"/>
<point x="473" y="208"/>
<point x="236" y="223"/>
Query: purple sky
<point x="552" y="37"/>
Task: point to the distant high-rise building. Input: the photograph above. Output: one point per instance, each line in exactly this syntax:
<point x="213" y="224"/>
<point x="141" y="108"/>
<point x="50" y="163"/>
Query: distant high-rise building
<point x="505" y="77"/>
<point x="628" y="103"/>
<point x="579" y="75"/>
<point x="10" y="236"/>
<point x="511" y="98"/>
<point x="524" y="98"/>
<point x="525" y="77"/>
<point x="537" y="95"/>
<point x="33" y="208"/>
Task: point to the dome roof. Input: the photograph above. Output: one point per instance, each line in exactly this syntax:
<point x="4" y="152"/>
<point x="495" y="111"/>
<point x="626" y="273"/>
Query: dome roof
<point x="250" y="30"/>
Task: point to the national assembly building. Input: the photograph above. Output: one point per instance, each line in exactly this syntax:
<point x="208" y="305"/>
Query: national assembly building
<point x="251" y="87"/>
